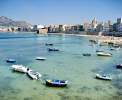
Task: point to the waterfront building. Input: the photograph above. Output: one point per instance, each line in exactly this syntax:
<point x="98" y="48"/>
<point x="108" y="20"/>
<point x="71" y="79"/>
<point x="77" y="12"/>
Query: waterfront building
<point x="119" y="20"/>
<point x="94" y="24"/>
<point x="119" y="27"/>
<point x="86" y="26"/>
<point x="42" y="31"/>
<point x="108" y="27"/>
<point x="99" y="27"/>
<point x="62" y="28"/>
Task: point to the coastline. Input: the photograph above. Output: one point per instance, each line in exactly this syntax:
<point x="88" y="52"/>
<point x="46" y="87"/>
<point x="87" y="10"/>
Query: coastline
<point x="101" y="39"/>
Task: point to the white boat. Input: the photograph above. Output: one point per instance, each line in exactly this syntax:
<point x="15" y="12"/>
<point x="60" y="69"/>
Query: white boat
<point x="103" y="77"/>
<point x="40" y="58"/>
<point x="19" y="68"/>
<point x="114" y="48"/>
<point x="33" y="75"/>
<point x="103" y="54"/>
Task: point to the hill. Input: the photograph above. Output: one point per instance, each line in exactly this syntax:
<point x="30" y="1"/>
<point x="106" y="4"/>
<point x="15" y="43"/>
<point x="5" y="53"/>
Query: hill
<point x="4" y="21"/>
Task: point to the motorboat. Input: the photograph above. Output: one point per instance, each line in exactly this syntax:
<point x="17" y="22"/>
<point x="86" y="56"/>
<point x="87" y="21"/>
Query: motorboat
<point x="40" y="58"/>
<point x="103" y="54"/>
<point x="53" y="49"/>
<point x="99" y="51"/>
<point x="56" y="83"/>
<point x="103" y="77"/>
<point x="119" y="66"/>
<point x="86" y="54"/>
<point x="19" y="68"/>
<point x="33" y="75"/>
<point x="114" y="48"/>
<point x="49" y="44"/>
<point x="10" y="60"/>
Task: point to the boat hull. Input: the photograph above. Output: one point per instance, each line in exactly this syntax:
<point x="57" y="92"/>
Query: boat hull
<point x="119" y="66"/>
<point x="104" y="54"/>
<point x="10" y="61"/>
<point x="19" y="68"/>
<point x="103" y="78"/>
<point x="56" y="84"/>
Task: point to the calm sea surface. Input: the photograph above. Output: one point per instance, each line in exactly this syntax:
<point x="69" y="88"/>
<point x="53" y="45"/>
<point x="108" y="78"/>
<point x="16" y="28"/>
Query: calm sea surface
<point x="68" y="64"/>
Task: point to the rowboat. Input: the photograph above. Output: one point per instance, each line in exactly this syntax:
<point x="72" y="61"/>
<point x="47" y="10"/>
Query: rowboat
<point x="40" y="58"/>
<point x="57" y="83"/>
<point x="103" y="77"/>
<point x="103" y="54"/>
<point x="10" y="60"/>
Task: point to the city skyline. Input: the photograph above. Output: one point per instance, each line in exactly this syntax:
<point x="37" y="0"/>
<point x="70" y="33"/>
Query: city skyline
<point x="61" y="11"/>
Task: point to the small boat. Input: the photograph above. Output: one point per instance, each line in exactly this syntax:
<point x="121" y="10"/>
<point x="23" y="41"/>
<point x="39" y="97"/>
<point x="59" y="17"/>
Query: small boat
<point x="57" y="83"/>
<point x="104" y="54"/>
<point x="53" y="49"/>
<point x="99" y="51"/>
<point x="40" y="58"/>
<point x="49" y="44"/>
<point x="19" y="68"/>
<point x="114" y="48"/>
<point x="10" y="60"/>
<point x="86" y="54"/>
<point x="119" y="66"/>
<point x="33" y="75"/>
<point x="103" y="77"/>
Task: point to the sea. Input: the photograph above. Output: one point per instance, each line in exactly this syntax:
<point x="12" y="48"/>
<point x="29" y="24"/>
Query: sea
<point x="66" y="64"/>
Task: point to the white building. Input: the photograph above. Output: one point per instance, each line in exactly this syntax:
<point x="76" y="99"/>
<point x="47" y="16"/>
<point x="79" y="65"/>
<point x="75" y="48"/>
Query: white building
<point x="119" y="24"/>
<point x="119" y="27"/>
<point x="119" y="20"/>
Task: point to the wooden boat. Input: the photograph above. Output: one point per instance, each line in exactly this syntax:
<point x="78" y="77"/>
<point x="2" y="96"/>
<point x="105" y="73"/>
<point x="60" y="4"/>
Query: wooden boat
<point x="119" y="66"/>
<point x="103" y="77"/>
<point x="86" y="54"/>
<point x="10" y="60"/>
<point x="33" y="75"/>
<point x="53" y="49"/>
<point x="40" y="58"/>
<point x="19" y="68"/>
<point x="57" y="83"/>
<point x="104" y="54"/>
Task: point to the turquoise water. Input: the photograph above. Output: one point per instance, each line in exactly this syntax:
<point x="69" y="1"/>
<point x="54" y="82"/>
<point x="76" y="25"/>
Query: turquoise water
<point x="67" y="64"/>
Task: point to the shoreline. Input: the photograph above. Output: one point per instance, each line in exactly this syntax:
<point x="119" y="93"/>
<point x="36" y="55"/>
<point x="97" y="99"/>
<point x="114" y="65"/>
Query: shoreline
<point x="101" y="39"/>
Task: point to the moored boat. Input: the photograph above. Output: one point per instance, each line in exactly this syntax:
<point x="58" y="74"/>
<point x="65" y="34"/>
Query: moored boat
<point x="119" y="66"/>
<point x="53" y="49"/>
<point x="48" y="44"/>
<point x="10" y="60"/>
<point x="104" y="54"/>
<point x="19" y="68"/>
<point x="114" y="48"/>
<point x="103" y="77"/>
<point x="33" y="75"/>
<point x="40" y="58"/>
<point x="57" y="83"/>
<point x="86" y="54"/>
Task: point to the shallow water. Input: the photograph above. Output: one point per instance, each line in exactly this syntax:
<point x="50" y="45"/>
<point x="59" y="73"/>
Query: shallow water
<point x="67" y="64"/>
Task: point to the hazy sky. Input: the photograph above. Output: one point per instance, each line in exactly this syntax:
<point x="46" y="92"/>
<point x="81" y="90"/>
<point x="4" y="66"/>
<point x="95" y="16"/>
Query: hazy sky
<point x="61" y="11"/>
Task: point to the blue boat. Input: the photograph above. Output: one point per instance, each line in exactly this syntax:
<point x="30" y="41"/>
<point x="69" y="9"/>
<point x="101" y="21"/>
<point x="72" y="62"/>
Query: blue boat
<point x="10" y="60"/>
<point x="57" y="83"/>
<point x="86" y="54"/>
<point x="53" y="49"/>
<point x="49" y="44"/>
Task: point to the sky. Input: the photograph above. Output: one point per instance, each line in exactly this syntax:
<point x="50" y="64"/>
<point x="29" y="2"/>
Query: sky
<point x="61" y="11"/>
